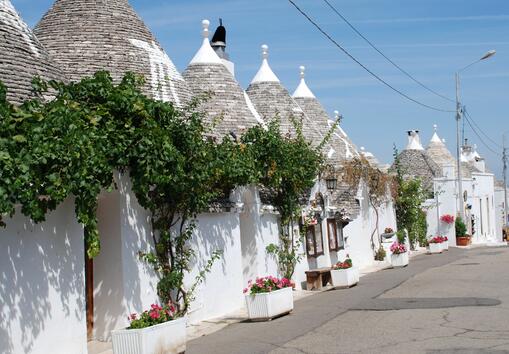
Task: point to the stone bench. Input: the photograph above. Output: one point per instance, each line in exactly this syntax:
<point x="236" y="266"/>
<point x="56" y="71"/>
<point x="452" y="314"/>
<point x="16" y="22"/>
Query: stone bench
<point x="317" y="279"/>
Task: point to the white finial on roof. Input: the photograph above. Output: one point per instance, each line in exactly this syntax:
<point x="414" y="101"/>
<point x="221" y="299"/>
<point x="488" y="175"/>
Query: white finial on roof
<point x="205" y="24"/>
<point x="265" y="73"/>
<point x="363" y="150"/>
<point x="206" y="55"/>
<point x="435" y="138"/>
<point x="414" y="141"/>
<point x="265" y="51"/>
<point x="443" y="140"/>
<point x="303" y="90"/>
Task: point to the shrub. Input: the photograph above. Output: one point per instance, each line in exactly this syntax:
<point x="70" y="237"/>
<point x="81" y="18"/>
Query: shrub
<point x="461" y="228"/>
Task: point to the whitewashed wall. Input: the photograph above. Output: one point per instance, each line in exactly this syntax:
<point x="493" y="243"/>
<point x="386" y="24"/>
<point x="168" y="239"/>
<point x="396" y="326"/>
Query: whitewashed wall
<point x="483" y="207"/>
<point x="123" y="284"/>
<point x="258" y="228"/>
<point x="500" y="219"/>
<point x="221" y="293"/>
<point x="42" y="285"/>
<point x="445" y="188"/>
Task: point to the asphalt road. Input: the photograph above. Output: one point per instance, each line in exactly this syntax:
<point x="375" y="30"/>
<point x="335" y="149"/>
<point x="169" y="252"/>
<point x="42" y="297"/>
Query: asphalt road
<point x="456" y="302"/>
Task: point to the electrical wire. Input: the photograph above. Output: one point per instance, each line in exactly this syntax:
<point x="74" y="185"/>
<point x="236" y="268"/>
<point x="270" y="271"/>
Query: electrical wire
<point x="480" y="138"/>
<point x="317" y="26"/>
<point x="384" y="55"/>
<point x="469" y="117"/>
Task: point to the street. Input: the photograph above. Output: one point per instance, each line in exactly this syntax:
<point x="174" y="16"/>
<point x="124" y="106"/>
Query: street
<point x="456" y="302"/>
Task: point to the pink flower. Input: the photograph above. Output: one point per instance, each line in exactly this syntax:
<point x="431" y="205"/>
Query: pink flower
<point x="154" y="315"/>
<point x="245" y="290"/>
<point x="132" y="317"/>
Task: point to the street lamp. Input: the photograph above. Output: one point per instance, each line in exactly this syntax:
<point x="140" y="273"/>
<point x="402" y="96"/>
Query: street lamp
<point x="459" y="113"/>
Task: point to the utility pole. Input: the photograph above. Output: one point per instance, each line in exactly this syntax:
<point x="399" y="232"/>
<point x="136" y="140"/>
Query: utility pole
<point x="461" y="205"/>
<point x="504" y="157"/>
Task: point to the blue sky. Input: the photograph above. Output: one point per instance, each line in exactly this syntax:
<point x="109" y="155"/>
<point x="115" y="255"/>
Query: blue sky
<point x="431" y="39"/>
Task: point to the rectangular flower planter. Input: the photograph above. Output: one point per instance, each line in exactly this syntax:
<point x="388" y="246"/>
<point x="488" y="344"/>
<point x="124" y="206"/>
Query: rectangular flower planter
<point x="434" y="248"/>
<point x="399" y="260"/>
<point x="266" y="306"/>
<point x="445" y="245"/>
<point x="167" y="338"/>
<point x="345" y="278"/>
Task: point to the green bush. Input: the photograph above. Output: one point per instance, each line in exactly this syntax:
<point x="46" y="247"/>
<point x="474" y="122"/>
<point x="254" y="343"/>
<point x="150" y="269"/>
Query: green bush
<point x="461" y="228"/>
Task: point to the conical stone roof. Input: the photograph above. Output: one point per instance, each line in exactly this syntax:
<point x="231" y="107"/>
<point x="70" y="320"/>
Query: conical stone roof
<point x="207" y="75"/>
<point x="22" y="57"/>
<point x="314" y="110"/>
<point x="271" y="100"/>
<point x="416" y="163"/>
<point x="439" y="152"/>
<point x="86" y="36"/>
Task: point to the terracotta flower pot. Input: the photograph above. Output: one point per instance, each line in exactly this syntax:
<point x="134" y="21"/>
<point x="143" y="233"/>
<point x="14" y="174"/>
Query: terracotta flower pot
<point x="463" y="240"/>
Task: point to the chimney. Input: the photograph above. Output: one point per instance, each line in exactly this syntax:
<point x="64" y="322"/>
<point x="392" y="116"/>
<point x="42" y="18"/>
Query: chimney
<point x="218" y="43"/>
<point x="414" y="141"/>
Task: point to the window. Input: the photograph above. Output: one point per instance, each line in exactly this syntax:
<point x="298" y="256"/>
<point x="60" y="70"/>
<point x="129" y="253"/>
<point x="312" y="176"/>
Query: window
<point x="314" y="241"/>
<point x="335" y="234"/>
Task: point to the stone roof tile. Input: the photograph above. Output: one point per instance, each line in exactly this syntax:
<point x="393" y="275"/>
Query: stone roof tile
<point x="22" y="57"/>
<point x="86" y="36"/>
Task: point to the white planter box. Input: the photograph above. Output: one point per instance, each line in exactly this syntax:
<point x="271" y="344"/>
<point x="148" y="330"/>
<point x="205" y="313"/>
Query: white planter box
<point x="167" y="338"/>
<point x="435" y="248"/>
<point x="399" y="260"/>
<point x="266" y="306"/>
<point x="445" y="246"/>
<point x="345" y="278"/>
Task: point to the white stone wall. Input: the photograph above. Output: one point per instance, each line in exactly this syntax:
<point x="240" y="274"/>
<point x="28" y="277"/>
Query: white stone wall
<point x="123" y="284"/>
<point x="483" y="207"/>
<point x="445" y="189"/>
<point x="500" y="220"/>
<point x="42" y="285"/>
<point x="258" y="228"/>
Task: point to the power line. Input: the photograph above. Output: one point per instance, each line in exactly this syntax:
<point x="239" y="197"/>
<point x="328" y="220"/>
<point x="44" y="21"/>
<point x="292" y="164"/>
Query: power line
<point x="362" y="65"/>
<point x="469" y="117"/>
<point x="385" y="56"/>
<point x="480" y="138"/>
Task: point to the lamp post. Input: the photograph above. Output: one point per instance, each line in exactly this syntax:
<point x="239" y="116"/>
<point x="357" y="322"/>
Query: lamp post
<point x="459" y="113"/>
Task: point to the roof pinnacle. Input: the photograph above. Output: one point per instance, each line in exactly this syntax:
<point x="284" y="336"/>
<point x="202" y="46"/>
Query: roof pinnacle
<point x="205" y="25"/>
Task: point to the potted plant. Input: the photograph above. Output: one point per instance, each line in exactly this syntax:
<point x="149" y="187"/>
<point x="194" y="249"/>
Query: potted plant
<point x="435" y="245"/>
<point x="447" y="219"/>
<point x="154" y="331"/>
<point x="462" y="238"/>
<point x="268" y="297"/>
<point x="388" y="232"/>
<point x="344" y="274"/>
<point x="399" y="257"/>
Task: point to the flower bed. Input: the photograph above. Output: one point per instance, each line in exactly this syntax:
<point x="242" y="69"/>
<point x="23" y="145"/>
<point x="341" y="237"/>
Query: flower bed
<point x="268" y="297"/>
<point x="399" y="257"/>
<point x="153" y="331"/>
<point x="344" y="274"/>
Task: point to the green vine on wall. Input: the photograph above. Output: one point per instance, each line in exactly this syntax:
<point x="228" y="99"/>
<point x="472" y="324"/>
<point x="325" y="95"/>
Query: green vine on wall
<point x="73" y="144"/>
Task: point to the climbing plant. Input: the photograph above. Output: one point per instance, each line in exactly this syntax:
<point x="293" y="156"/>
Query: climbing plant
<point x="409" y="197"/>
<point x="72" y="145"/>
<point x="286" y="165"/>
<point x="377" y="184"/>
